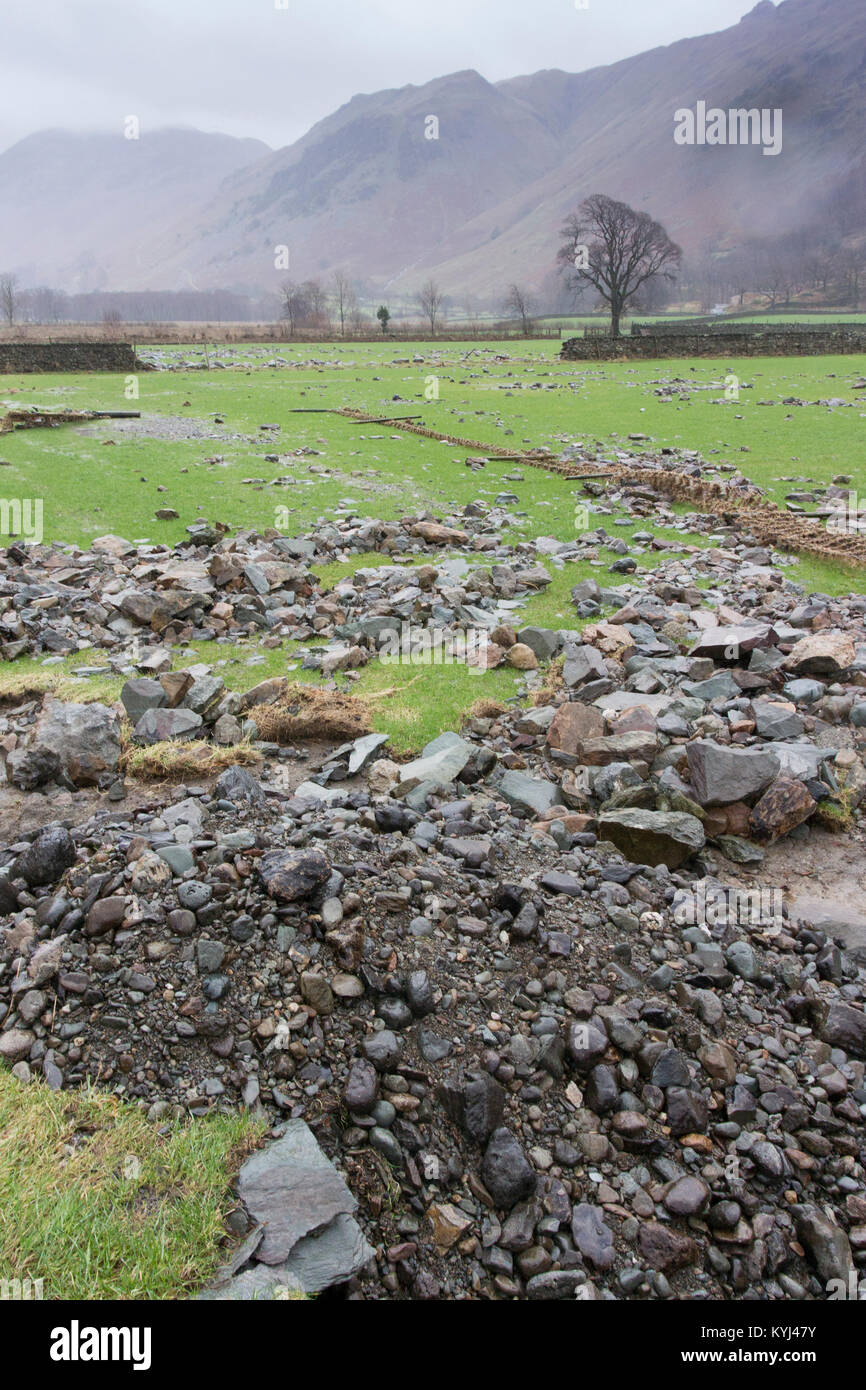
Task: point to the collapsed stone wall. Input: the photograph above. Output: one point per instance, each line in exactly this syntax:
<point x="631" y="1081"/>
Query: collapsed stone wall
<point x="68" y="357"/>
<point x="749" y="344"/>
<point x="767" y="522"/>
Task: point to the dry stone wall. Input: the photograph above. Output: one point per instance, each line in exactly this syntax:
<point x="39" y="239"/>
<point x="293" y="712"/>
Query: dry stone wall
<point x="798" y="344"/>
<point x="68" y="357"/>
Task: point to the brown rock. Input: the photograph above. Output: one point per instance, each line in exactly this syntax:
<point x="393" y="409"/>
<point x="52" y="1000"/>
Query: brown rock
<point x="608" y="638"/>
<point x="347" y="943"/>
<point x="821" y="654"/>
<point x="574" y="822"/>
<point x="521" y="657"/>
<point x="425" y="576"/>
<point x="719" y="1062"/>
<point x="728" y="820"/>
<point x="105" y="914"/>
<point x="786" y="802"/>
<point x="575" y="792"/>
<point x="627" y="614"/>
<point x="638" y="719"/>
<point x="736" y="817"/>
<point x="291" y="876"/>
<point x="175" y="684"/>
<point x="504" y="636"/>
<point x="436" y="534"/>
<point x="112" y="545"/>
<point x="619" y="748"/>
<point x="317" y="992"/>
<point x="86" y="738"/>
<point x="448" y="1223"/>
<point x="715" y="821"/>
<point x="665" y="1249"/>
<point x="573" y="724"/>
<point x="486" y="655"/>
<point x="265" y="693"/>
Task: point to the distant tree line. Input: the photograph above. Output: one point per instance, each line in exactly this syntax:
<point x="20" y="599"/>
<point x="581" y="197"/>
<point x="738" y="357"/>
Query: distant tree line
<point x="45" y="305"/>
<point x="611" y="258"/>
<point x="796" y="268"/>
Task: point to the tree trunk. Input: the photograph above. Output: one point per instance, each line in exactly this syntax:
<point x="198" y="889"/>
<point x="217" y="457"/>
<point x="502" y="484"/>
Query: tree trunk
<point x="615" y="312"/>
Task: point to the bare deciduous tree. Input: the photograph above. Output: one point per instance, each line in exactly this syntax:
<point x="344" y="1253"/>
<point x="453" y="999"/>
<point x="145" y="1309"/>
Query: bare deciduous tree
<point x="518" y="302"/>
<point x="112" y="320"/>
<point x="851" y="273"/>
<point x="344" y="299"/>
<point x="8" y="297"/>
<point x="47" y="304"/>
<point x="431" y="299"/>
<point x="304" y="306"/>
<point x="293" y="305"/>
<point x="358" y="320"/>
<point x="317" y="305"/>
<point x="616" y="250"/>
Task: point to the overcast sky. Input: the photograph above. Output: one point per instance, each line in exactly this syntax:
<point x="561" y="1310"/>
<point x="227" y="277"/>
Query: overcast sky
<point x="248" y="67"/>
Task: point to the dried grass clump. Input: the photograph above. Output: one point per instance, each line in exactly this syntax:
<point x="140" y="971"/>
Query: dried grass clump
<point x="198" y="758"/>
<point x="18" y="686"/>
<point x="486" y="709"/>
<point x="309" y="712"/>
<point x="553" y="683"/>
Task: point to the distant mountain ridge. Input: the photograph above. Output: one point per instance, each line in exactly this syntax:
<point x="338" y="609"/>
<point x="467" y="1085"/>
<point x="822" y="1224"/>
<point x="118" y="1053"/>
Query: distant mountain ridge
<point x="368" y="191"/>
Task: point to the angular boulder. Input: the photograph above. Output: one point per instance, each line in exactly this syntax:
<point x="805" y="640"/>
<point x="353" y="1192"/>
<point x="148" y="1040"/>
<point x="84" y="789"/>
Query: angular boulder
<point x="731" y="644"/>
<point x="572" y="725"/>
<point x="844" y="1026"/>
<point x="653" y="837"/>
<point x="506" y="1171"/>
<point x="785" y="804"/>
<point x="775" y="719"/>
<point x="638" y="745"/>
<point x="310" y="1240"/>
<point x="440" y="764"/>
<point x="720" y="774"/>
<point x="582" y="663"/>
<point x="162" y="725"/>
<point x="529" y="794"/>
<point x="142" y="694"/>
<point x="827" y="653"/>
<point x="84" y="738"/>
<point x="291" y="876"/>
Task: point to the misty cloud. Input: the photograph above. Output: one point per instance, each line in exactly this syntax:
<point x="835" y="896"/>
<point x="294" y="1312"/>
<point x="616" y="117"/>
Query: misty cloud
<point x="248" y="68"/>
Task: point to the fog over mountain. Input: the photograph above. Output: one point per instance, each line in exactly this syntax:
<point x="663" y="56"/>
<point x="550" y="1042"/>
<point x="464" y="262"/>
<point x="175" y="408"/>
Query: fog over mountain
<point x="368" y="191"/>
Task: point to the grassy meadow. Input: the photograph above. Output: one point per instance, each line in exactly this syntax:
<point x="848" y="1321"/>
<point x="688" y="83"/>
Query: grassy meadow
<point x="113" y="1206"/>
<point x="101" y="478"/>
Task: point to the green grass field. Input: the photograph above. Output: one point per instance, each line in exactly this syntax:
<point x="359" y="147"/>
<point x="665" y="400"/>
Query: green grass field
<point x="83" y="1220"/>
<point x="113" y="1206"/>
<point x="509" y="394"/>
<point x="90" y="486"/>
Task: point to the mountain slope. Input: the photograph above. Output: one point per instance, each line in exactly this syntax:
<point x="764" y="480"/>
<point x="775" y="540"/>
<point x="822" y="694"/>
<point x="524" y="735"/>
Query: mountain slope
<point x="87" y="212"/>
<point x="481" y="205"/>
